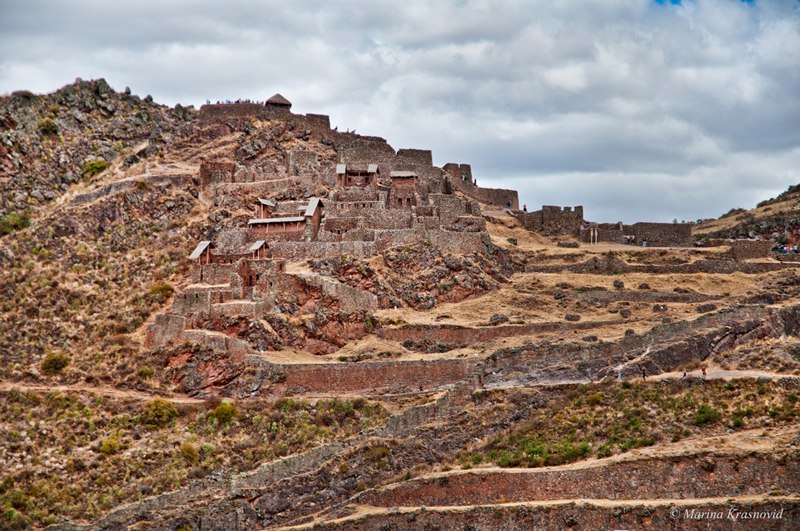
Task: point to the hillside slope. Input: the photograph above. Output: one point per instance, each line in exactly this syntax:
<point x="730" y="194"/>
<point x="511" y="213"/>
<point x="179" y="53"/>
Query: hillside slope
<point x="777" y="219"/>
<point x="456" y="372"/>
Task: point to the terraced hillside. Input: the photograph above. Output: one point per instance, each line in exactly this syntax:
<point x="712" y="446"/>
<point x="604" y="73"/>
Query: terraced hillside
<point x="516" y="384"/>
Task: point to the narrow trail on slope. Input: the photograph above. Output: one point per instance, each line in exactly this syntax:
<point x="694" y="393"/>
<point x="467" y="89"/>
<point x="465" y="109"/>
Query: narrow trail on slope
<point x="105" y="391"/>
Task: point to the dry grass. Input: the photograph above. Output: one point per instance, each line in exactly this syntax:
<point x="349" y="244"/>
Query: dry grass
<point x="77" y="456"/>
<point x="602" y="420"/>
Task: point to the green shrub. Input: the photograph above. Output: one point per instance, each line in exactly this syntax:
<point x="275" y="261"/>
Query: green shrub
<point x="13" y="519"/>
<point x="110" y="445"/>
<point x="189" y="453"/>
<point x="224" y="413"/>
<point x="94" y="167"/>
<point x="13" y="222"/>
<point x="604" y="450"/>
<point x="706" y="414"/>
<point x="54" y="363"/>
<point x="145" y="372"/>
<point x="47" y="127"/>
<point x="158" y="413"/>
<point x="595" y="399"/>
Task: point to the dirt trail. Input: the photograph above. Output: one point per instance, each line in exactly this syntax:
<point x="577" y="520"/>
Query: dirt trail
<point x="102" y="390"/>
<point x="363" y="511"/>
<point x="720" y="374"/>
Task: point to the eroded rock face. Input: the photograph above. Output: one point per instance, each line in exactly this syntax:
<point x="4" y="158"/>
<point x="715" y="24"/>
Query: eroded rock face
<point x="42" y="138"/>
<point x="200" y="369"/>
<point x="421" y="276"/>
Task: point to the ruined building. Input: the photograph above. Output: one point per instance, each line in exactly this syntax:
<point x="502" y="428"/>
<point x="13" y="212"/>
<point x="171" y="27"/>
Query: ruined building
<point x="321" y="194"/>
<point x="569" y="221"/>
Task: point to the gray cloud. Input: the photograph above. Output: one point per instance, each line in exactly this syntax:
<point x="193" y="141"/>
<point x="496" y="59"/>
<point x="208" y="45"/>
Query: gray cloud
<point x="634" y="109"/>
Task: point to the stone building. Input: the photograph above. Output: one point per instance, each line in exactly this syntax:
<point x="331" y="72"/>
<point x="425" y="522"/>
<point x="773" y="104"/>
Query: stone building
<point x="375" y="198"/>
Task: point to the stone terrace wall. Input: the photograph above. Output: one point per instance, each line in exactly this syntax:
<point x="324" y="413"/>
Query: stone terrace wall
<point x="446" y="241"/>
<point x="746" y="249"/>
<point x="580" y="515"/>
<point x="166" y="328"/>
<point x="397" y="375"/>
<point x="309" y="250"/>
<point x="688" y="477"/>
<point x="130" y="184"/>
<point x="663" y="234"/>
<point x="216" y="172"/>
<point x="387" y="219"/>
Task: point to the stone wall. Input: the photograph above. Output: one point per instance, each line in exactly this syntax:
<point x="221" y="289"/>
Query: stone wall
<point x="662" y="234"/>
<point x="302" y="162"/>
<point x="230" y="112"/>
<point x="350" y="299"/>
<point x="461" y="180"/>
<point x="449" y="207"/>
<point x="131" y="184"/>
<point x="558" y="220"/>
<point x="688" y="477"/>
<point x="369" y="193"/>
<point x="212" y="273"/>
<point x="353" y="148"/>
<point x="166" y="328"/>
<point x="192" y="301"/>
<point x="398" y="375"/>
<point x="747" y="249"/>
<point x="237" y="308"/>
<point x="216" y="172"/>
<point x="606" y="232"/>
<point x="553" y="220"/>
<point x="423" y="157"/>
<point x="572" y="515"/>
<point x="387" y="219"/>
<point x="261" y="188"/>
<point x="309" y="250"/>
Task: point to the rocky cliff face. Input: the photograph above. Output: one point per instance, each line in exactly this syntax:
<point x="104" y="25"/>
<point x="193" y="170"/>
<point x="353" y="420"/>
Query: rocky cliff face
<point x="51" y="142"/>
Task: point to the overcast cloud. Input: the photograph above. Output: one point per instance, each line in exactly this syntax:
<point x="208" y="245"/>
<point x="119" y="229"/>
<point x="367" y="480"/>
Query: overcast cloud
<point x="637" y="109"/>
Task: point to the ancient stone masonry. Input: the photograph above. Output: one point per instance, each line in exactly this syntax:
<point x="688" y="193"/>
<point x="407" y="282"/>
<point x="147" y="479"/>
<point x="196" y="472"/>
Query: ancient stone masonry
<point x="569" y="221"/>
<point x="459" y="177"/>
<point x="747" y="249"/>
<point x="553" y="220"/>
<point x="368" y="198"/>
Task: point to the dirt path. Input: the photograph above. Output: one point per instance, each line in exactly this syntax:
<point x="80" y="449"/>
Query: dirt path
<point x="364" y="511"/>
<point x="102" y="390"/>
<point x="719" y="374"/>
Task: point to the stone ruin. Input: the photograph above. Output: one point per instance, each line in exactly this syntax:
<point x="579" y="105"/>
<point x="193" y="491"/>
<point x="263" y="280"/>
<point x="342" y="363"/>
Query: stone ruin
<point x="569" y="221"/>
<point x="374" y="198"/>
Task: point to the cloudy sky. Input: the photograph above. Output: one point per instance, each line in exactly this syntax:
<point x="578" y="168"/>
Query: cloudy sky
<point x="637" y="109"/>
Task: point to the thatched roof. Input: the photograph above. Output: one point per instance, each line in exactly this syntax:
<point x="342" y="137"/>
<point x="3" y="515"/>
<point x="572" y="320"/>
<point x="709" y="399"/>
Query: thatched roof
<point x="277" y="99"/>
